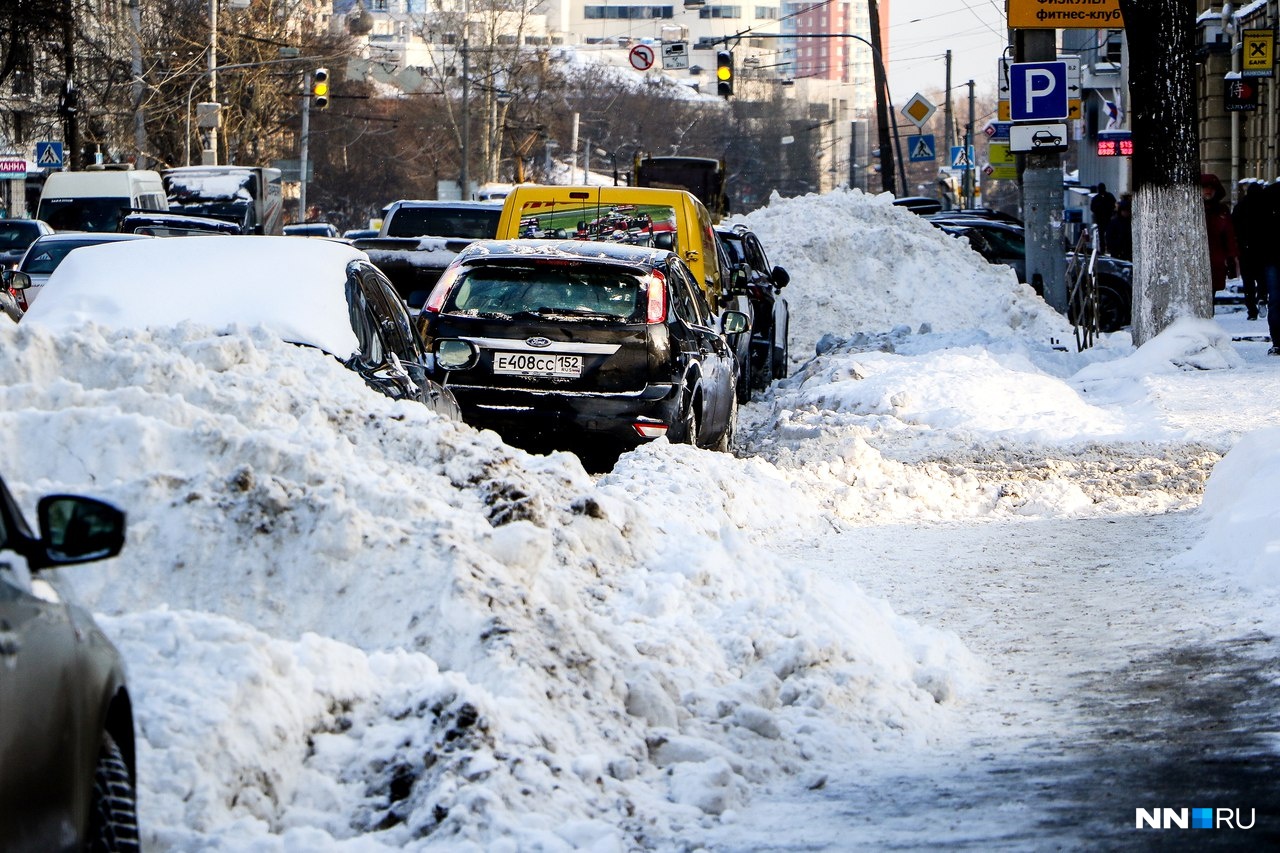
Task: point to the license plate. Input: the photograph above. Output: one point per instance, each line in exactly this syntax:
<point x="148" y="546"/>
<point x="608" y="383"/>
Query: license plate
<point x="537" y="364"/>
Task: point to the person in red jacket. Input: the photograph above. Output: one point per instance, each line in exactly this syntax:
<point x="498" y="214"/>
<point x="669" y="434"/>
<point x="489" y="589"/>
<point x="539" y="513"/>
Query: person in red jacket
<point x="1223" y="252"/>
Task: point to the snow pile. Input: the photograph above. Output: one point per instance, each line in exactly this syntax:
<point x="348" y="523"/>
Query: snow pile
<point x="1188" y="344"/>
<point x="1242" y="531"/>
<point x="348" y="618"/>
<point x="860" y="264"/>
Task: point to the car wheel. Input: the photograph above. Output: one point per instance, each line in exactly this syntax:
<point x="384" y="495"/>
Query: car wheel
<point x="113" y="818"/>
<point x="689" y="422"/>
<point x="725" y="443"/>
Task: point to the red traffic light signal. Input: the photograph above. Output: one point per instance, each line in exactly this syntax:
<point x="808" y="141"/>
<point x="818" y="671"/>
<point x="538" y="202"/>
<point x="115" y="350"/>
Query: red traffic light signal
<point x="724" y="73"/>
<point x="320" y="88"/>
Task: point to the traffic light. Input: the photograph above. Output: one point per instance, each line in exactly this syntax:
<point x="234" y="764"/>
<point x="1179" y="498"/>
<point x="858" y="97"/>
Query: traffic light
<point x="320" y="87"/>
<point x="724" y="73"/>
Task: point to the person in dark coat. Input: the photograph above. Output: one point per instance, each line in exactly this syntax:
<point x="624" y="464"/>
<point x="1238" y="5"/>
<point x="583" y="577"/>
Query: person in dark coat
<point x="1269" y="257"/>
<point x="1120" y="231"/>
<point x="1250" y="222"/>
<point x="1223" y="252"/>
<point x="1103" y="207"/>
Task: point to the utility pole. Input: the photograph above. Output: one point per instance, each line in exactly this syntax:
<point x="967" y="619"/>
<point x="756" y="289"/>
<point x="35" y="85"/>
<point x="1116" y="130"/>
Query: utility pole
<point x="887" y="182"/>
<point x="1042" y="190"/>
<point x="970" y="174"/>
<point x="70" y="95"/>
<point x="949" y="132"/>
<point x="464" y="191"/>
<point x="302" y="153"/>
<point x="210" y="156"/>
<point x="135" y="94"/>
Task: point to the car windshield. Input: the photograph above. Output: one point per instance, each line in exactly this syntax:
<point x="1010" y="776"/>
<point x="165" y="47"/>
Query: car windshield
<point x="549" y="291"/>
<point x="43" y="258"/>
<point x="83" y="214"/>
<point x="635" y="224"/>
<point x="17" y="235"/>
<point x="1008" y="245"/>
<point x="443" y="222"/>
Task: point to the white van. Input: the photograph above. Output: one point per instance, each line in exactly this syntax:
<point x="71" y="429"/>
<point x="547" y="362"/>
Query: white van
<point x="96" y="199"/>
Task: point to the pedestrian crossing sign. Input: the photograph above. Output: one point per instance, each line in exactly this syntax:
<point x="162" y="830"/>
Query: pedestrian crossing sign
<point x="921" y="149"/>
<point x="961" y="157"/>
<point x="49" y="155"/>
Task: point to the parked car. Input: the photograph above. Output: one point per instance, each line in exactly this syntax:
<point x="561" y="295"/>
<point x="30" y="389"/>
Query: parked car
<point x="419" y="239"/>
<point x="359" y="233"/>
<point x="919" y="204"/>
<point x="998" y="242"/>
<point x="46" y="253"/>
<point x="68" y="774"/>
<point x="176" y="225"/>
<point x="763" y="285"/>
<point x="310" y="229"/>
<point x="553" y="342"/>
<point x="16" y="235"/>
<point x="317" y="293"/>
<point x="1114" y="277"/>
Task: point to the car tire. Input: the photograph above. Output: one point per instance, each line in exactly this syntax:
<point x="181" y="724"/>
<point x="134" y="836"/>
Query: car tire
<point x="113" y="817"/>
<point x="725" y="443"/>
<point x="689" y="422"/>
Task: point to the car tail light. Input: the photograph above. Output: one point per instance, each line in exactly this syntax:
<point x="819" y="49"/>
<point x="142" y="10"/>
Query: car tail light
<point x="20" y="296"/>
<point x="657" y="309"/>
<point x="436" y="300"/>
<point x="648" y="430"/>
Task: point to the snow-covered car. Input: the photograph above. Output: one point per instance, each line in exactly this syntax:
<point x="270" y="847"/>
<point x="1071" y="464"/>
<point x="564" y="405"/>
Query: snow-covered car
<point x="176" y="225"/>
<point x="548" y="342"/>
<point x="318" y="293"/>
<point x="46" y="253"/>
<point x="16" y="235"/>
<point x="67" y="778"/>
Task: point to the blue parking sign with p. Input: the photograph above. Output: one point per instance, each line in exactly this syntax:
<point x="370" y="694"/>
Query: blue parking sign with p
<point x="1038" y="91"/>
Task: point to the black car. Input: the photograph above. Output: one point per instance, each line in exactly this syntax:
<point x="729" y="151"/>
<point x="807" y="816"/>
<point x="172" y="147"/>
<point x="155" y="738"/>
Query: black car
<point x="997" y="241"/>
<point x="67" y="763"/>
<point x="763" y="285"/>
<point x="175" y="225"/>
<point x="16" y="235"/>
<point x="318" y="293"/>
<point x="548" y="342"/>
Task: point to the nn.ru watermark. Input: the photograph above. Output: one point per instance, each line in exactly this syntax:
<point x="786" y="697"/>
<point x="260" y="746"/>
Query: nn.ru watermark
<point x="1192" y="819"/>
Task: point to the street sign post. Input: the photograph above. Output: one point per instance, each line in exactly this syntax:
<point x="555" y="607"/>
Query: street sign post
<point x="921" y="149"/>
<point x="49" y="155"/>
<point x="1258" y="53"/>
<point x="961" y="158"/>
<point x="1002" y="165"/>
<point x="918" y="109"/>
<point x="1038" y="91"/>
<point x="1040" y="138"/>
<point x="641" y="57"/>
<point x="675" y="55"/>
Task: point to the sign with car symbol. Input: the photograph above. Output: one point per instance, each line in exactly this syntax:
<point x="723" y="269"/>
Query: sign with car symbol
<point x="1038" y="138"/>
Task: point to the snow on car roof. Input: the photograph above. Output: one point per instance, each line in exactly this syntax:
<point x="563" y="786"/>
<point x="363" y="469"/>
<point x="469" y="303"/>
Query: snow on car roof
<point x="297" y="288"/>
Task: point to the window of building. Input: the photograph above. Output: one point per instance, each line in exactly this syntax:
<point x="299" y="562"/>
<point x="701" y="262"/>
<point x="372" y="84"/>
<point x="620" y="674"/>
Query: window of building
<point x="720" y="12"/>
<point x="628" y="13"/>
<point x="767" y="13"/>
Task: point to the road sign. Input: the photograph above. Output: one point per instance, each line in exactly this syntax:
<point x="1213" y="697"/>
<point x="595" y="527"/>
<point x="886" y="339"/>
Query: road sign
<point x="961" y="157"/>
<point x="921" y="149"/>
<point x="1258" y="53"/>
<point x="675" y="55"/>
<point x="1065" y="14"/>
<point x="918" y="110"/>
<point x="1024" y="138"/>
<point x="1240" y="94"/>
<point x="641" y="57"/>
<point x="997" y="130"/>
<point x="1038" y="91"/>
<point x="49" y="155"/>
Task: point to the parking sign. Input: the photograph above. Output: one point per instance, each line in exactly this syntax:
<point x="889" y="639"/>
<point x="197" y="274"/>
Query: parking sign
<point x="1038" y="91"/>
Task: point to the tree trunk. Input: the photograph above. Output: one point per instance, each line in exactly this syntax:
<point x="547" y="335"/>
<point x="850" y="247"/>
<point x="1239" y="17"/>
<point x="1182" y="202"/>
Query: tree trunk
<point x="1170" y="244"/>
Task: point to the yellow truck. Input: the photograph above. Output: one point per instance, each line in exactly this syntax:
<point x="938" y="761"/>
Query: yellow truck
<point x="643" y="216"/>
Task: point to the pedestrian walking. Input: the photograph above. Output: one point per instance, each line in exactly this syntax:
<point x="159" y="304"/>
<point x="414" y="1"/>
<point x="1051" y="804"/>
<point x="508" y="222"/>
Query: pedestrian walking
<point x="1120" y="230"/>
<point x="1223" y="252"/>
<point x="1103" y="207"/>
<point x="1250" y="222"/>
<point x="1269" y="257"/>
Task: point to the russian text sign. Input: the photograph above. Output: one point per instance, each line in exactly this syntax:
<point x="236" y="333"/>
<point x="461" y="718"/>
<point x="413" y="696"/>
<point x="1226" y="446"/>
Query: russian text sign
<point x="1065" y="14"/>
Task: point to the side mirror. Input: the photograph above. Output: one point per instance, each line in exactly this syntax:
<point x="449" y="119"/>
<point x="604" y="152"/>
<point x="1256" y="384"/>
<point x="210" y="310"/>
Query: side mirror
<point x="78" y="530"/>
<point x="781" y="278"/>
<point x="734" y="322"/>
<point x="455" y="354"/>
<point x="17" y="280"/>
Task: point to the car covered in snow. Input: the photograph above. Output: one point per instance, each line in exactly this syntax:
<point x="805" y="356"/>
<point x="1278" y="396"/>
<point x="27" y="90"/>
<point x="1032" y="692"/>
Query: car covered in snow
<point x="43" y="257"/>
<point x="67" y="758"/>
<point x="317" y="293"/>
<point x="550" y="342"/>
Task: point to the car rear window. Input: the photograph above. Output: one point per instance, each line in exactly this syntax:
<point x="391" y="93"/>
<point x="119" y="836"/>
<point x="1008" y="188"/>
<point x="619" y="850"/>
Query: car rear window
<point x="551" y="291"/>
<point x="44" y="257"/>
<point x="16" y="235"/>
<point x="428" y="222"/>
<point x="634" y="224"/>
